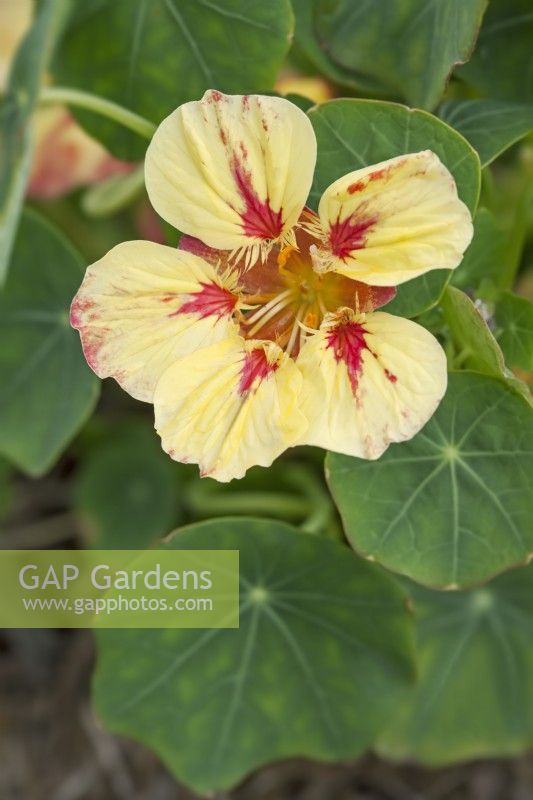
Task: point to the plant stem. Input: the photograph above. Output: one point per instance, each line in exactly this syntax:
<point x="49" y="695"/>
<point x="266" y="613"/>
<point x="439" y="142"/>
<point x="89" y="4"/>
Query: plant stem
<point x="106" y="108"/>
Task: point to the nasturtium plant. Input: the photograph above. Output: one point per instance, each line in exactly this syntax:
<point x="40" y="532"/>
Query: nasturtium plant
<point x="308" y="226"/>
<point x="322" y="656"/>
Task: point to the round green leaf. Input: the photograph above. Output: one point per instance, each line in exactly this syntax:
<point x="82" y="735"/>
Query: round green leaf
<point x="408" y="47"/>
<point x="502" y="64"/>
<point x="47" y="390"/>
<point x="126" y="491"/>
<point x="153" y="55"/>
<point x="491" y="126"/>
<point x="514" y="318"/>
<point x="321" y="657"/>
<point x="451" y="507"/>
<point x="475" y="690"/>
<point x="357" y="133"/>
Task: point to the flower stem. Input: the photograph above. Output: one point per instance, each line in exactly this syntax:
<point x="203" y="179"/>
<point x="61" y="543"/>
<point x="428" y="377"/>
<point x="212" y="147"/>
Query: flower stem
<point x="106" y="108"/>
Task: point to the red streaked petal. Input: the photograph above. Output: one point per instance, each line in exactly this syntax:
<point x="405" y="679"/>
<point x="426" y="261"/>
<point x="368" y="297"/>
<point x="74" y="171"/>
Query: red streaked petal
<point x="229" y="407"/>
<point x="233" y="171"/>
<point x="369" y="380"/>
<point x="386" y="224"/>
<point x="142" y="306"/>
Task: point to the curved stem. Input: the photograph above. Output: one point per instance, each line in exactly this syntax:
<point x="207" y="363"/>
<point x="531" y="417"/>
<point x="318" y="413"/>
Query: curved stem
<point x="210" y="502"/>
<point x="106" y="108"/>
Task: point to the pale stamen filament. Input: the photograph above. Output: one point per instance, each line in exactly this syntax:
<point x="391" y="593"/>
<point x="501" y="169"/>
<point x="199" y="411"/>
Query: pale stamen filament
<point x="266" y="308"/>
<point x="269" y="311"/>
<point x="296" y="328"/>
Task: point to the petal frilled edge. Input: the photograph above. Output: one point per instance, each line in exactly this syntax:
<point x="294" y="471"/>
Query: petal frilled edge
<point x="369" y="380"/>
<point x="229" y="407"/>
<point x="144" y="305"/>
<point x="234" y="171"/>
<point x="391" y="222"/>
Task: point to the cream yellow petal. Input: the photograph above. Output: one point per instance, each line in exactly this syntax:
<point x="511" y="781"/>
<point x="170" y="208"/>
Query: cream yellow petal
<point x="369" y="380"/>
<point x="388" y="223"/>
<point x="143" y="305"/>
<point x="233" y="171"/>
<point x="229" y="407"/>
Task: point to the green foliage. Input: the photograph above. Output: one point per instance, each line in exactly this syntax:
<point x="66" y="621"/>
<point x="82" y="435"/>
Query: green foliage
<point x="471" y="335"/>
<point x="502" y="63"/>
<point x="491" y="126"/>
<point x="161" y="53"/>
<point x="16" y="108"/>
<point x="356" y="133"/>
<point x="308" y="49"/>
<point x="321" y="658"/>
<point x="47" y="390"/>
<point x="448" y="508"/>
<point x="407" y="47"/>
<point x="127" y="489"/>
<point x="486" y="255"/>
<point x="514" y="318"/>
<point x="5" y="488"/>
<point x="474" y="693"/>
<point x="323" y="664"/>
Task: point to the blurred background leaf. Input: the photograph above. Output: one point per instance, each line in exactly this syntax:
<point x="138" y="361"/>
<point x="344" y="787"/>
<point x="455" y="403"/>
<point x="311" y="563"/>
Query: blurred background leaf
<point x="491" y="126"/>
<point x="16" y="108"/>
<point x="161" y="53"/>
<point x="485" y="255"/>
<point x="47" y="391"/>
<point x="501" y="66"/>
<point x="127" y="492"/>
<point x="514" y="318"/>
<point x="408" y="47"/>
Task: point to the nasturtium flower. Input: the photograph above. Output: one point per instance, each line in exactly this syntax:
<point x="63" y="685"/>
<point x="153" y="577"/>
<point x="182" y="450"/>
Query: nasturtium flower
<point x="261" y="331"/>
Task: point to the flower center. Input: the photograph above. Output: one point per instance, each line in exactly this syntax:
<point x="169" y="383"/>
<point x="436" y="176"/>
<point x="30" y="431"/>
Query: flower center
<point x="287" y="298"/>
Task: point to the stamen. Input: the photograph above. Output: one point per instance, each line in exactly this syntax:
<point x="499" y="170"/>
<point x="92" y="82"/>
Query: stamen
<point x="311" y="224"/>
<point x="266" y="308"/>
<point x="266" y="315"/>
<point x="318" y="261"/>
<point x="295" y="329"/>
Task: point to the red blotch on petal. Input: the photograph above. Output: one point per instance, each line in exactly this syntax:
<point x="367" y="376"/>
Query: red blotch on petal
<point x="358" y="186"/>
<point x="258" y="218"/>
<point x="211" y="300"/>
<point x="344" y="237"/>
<point x="347" y="341"/>
<point x="255" y="367"/>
